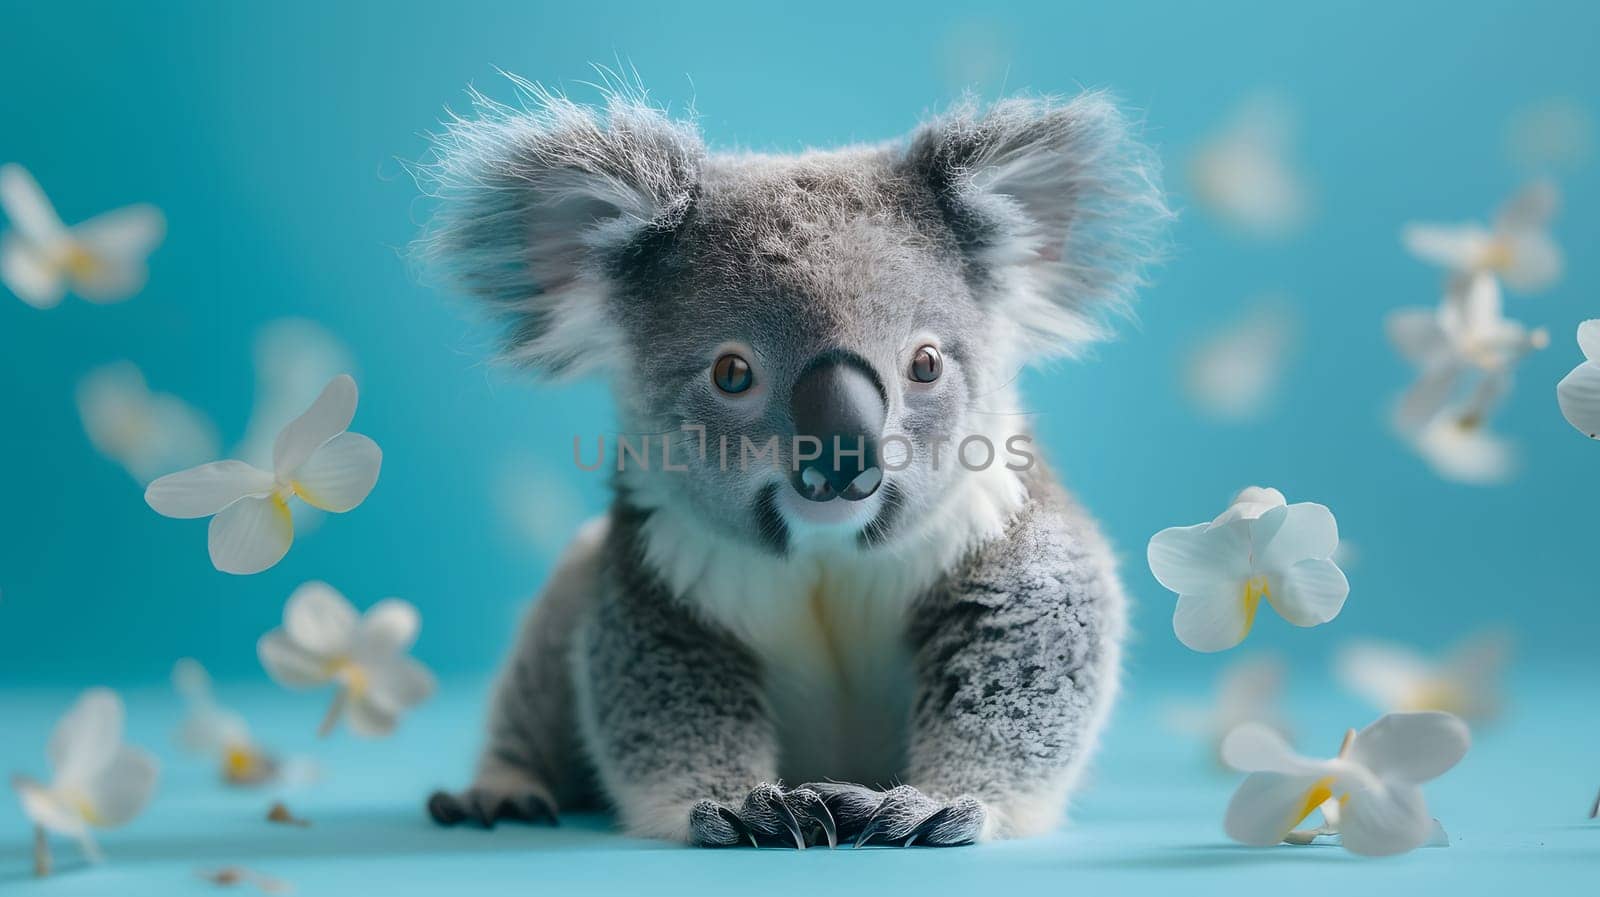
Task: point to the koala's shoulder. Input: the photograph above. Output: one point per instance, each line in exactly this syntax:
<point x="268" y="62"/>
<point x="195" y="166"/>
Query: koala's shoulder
<point x="1052" y="552"/>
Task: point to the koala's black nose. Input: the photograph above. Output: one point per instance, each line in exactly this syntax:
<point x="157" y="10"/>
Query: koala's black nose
<point x="838" y="411"/>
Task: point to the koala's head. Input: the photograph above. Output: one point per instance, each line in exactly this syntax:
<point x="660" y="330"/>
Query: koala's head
<point x="867" y="306"/>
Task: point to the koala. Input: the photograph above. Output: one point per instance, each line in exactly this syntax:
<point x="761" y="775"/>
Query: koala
<point x="855" y="638"/>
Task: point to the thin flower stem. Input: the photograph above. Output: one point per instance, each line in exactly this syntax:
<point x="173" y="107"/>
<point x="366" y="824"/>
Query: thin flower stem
<point x="1349" y="739"/>
<point x="332" y="717"/>
<point x="41" y="852"/>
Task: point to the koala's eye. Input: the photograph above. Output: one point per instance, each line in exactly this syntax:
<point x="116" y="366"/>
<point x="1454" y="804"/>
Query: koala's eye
<point x="732" y="374"/>
<point x="926" y="365"/>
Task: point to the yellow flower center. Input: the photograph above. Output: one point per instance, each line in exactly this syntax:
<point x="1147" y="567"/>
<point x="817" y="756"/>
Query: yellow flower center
<point x="1436" y="695"/>
<point x="79" y="263"/>
<point x="349" y="673"/>
<point x="1255" y="588"/>
<point x="1497" y="256"/>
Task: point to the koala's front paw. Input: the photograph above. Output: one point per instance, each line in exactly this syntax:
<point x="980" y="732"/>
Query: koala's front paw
<point x="901" y="816"/>
<point x="771" y="815"/>
<point x="486" y="806"/>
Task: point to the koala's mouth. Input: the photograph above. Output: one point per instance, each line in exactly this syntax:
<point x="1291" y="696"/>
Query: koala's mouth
<point x="784" y="518"/>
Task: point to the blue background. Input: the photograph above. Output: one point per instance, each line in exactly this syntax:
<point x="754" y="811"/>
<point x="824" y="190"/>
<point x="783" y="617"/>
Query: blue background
<point x="270" y="135"/>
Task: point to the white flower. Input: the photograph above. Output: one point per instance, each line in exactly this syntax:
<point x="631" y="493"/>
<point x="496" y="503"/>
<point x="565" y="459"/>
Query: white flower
<point x="1518" y="248"/>
<point x="1244" y="173"/>
<point x="1373" y="783"/>
<point x="148" y="433"/>
<point x="1579" y="392"/>
<point x="1247" y="691"/>
<point x="540" y="510"/>
<point x="1393" y="677"/>
<point x="217" y="732"/>
<point x="1232" y="374"/>
<point x="1260" y="547"/>
<point x="1459" y="445"/>
<point x="323" y="641"/>
<point x="1467" y="336"/>
<point x="315" y="459"/>
<point x="98" y="781"/>
<point x="102" y="259"/>
<point x="1552" y="133"/>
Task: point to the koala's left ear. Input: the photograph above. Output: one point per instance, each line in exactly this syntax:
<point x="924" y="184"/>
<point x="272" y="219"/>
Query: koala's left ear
<point x="537" y="202"/>
<point x="1057" y="205"/>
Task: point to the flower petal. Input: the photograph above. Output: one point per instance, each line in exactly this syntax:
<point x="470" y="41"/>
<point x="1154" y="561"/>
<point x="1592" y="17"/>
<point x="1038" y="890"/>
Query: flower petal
<point x="1536" y="262"/>
<point x="207" y="489"/>
<point x="1416" y="334"/>
<point x="400" y="683"/>
<point x="1589" y="339"/>
<point x="1387" y="675"/>
<point x="27" y="207"/>
<point x="1458" y="247"/>
<point x="1578" y="394"/>
<point x="1309" y="593"/>
<point x="289" y="664"/>
<point x="1215" y="620"/>
<point x="45" y="808"/>
<point x="320" y="620"/>
<point x="1250" y="503"/>
<point x="1411" y="747"/>
<point x="122" y="788"/>
<point x="327" y="417"/>
<point x="250" y="535"/>
<point x="368" y="717"/>
<point x="28" y="273"/>
<point x="1385" y="819"/>
<point x="388" y="628"/>
<point x="1195" y="558"/>
<point x="339" y="475"/>
<point x="127" y="234"/>
<point x="1530" y="208"/>
<point x="86" y="739"/>
<point x="1284" y="536"/>
<point x="1268" y="805"/>
<point x="1427" y="397"/>
<point x="1257" y="747"/>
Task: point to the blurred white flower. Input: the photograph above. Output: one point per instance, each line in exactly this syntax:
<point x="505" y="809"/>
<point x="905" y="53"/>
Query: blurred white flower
<point x="294" y="360"/>
<point x="1247" y="691"/>
<point x="217" y="732"/>
<point x="1518" y="248"/>
<point x="1467" y="335"/>
<point x="1373" y="783"/>
<point x="1233" y="373"/>
<point x="1554" y="133"/>
<point x="1461" y="447"/>
<point x="315" y="459"/>
<point x="1578" y="393"/>
<point x="324" y="641"/>
<point x="1260" y="547"/>
<point x="148" y="433"/>
<point x="1465" y="682"/>
<point x="102" y="259"/>
<point x="98" y="782"/>
<point x="1244" y="174"/>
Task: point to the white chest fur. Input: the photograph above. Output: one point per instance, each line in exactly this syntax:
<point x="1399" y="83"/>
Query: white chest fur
<point x="828" y="622"/>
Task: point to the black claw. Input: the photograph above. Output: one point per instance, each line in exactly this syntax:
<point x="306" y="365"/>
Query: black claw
<point x="740" y="830"/>
<point x="445" y="809"/>
<point x="812" y="805"/>
<point x="790" y="822"/>
<point x="954" y="820"/>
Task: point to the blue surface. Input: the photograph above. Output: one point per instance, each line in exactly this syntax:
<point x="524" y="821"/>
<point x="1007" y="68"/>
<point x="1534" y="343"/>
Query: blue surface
<point x="1149" y="820"/>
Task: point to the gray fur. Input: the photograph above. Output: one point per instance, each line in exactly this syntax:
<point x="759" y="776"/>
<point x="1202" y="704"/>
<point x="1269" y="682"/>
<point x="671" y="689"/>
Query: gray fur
<point x="963" y="641"/>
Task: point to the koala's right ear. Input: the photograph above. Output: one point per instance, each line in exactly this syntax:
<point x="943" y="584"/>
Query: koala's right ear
<point x="535" y="199"/>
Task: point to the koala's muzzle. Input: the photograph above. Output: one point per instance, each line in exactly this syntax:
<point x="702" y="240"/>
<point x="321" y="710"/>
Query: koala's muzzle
<point x="838" y="411"/>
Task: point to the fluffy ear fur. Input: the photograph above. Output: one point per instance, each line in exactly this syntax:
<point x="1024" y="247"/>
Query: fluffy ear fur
<point x="535" y="198"/>
<point x="1058" y="205"/>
